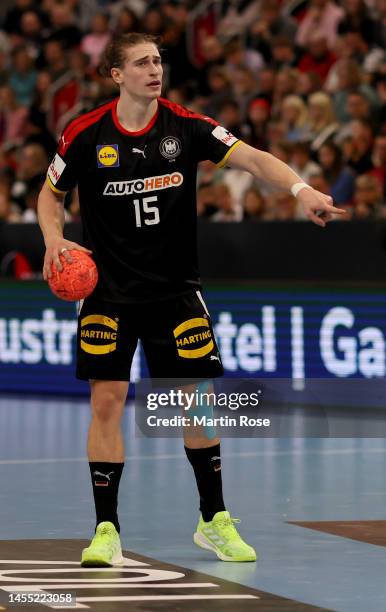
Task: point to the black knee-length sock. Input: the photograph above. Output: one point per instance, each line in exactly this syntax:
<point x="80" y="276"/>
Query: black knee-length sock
<point x="105" y="479"/>
<point x="206" y="463"/>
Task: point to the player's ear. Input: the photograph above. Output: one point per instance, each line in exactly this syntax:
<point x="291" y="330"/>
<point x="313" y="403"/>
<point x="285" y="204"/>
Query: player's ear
<point x="116" y="75"/>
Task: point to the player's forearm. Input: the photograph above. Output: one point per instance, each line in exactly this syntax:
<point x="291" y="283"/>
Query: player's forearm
<point x="273" y="170"/>
<point x="50" y="214"/>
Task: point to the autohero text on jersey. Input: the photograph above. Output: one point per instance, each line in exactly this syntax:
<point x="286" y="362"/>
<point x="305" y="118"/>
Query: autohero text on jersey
<point x="145" y="185"/>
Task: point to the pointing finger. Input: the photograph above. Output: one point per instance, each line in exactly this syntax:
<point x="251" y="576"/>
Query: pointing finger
<point x="334" y="210"/>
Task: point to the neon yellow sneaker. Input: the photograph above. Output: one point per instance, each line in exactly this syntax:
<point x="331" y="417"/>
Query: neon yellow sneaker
<point x="105" y="548"/>
<point x="221" y="536"/>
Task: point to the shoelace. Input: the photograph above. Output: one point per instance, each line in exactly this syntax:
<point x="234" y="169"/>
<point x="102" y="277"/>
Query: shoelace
<point x="105" y="535"/>
<point x="104" y="531"/>
<point x="228" y="525"/>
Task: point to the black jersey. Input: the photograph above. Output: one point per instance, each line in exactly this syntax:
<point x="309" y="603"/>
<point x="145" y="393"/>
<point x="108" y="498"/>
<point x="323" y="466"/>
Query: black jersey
<point x="137" y="194"/>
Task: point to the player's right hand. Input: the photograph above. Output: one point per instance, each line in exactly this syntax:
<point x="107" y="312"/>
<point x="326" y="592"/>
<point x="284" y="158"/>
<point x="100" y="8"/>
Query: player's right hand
<point x="55" y="248"/>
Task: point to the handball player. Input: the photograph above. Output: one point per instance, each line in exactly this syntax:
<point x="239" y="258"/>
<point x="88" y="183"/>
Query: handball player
<point x="134" y="161"/>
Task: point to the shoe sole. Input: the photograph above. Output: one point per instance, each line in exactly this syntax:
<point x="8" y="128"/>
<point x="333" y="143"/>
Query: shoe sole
<point x="95" y="561"/>
<point x="200" y="540"/>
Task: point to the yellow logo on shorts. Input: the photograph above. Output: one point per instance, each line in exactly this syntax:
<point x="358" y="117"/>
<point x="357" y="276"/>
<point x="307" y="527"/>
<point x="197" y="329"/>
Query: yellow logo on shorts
<point x="108" y="156"/>
<point x="93" y="327"/>
<point x="183" y="339"/>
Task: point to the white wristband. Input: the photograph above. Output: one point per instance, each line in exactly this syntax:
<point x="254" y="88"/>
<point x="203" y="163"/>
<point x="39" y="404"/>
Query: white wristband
<point x="297" y="187"/>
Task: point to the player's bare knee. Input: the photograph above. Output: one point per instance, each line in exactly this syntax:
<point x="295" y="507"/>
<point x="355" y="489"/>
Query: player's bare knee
<point x="107" y="410"/>
<point x="108" y="401"/>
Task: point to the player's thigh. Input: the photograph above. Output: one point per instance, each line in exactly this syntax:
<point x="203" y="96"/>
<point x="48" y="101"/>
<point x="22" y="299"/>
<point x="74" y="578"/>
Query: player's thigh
<point x="106" y="341"/>
<point x="179" y="342"/>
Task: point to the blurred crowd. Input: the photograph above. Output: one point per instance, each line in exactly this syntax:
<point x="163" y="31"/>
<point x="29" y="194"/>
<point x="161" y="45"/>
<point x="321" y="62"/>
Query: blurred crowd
<point x="304" y="80"/>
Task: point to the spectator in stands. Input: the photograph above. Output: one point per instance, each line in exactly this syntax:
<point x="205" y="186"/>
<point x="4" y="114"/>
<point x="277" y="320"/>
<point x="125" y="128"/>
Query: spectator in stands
<point x="379" y="162"/>
<point x="227" y="207"/>
<point x="358" y="106"/>
<point x="307" y="83"/>
<point x="269" y="25"/>
<point x="33" y="32"/>
<point x="181" y="71"/>
<point x="55" y="59"/>
<point x="322" y="122"/>
<point x="266" y="83"/>
<point x="12" y="118"/>
<point x="237" y="16"/>
<point x="301" y="162"/>
<point x="357" y="19"/>
<point x="258" y="116"/>
<point x="340" y="179"/>
<point x="9" y="211"/>
<point x="153" y="22"/>
<point x="244" y="88"/>
<point x="4" y="74"/>
<point x="368" y="199"/>
<point x="318" y="181"/>
<point x="285" y="84"/>
<point x="283" y="54"/>
<point x="127" y="21"/>
<point x="322" y="17"/>
<point x="22" y="76"/>
<point x="284" y="206"/>
<point x="358" y="147"/>
<point x="380" y="27"/>
<point x="358" y="109"/>
<point x="238" y="57"/>
<point x="31" y="170"/>
<point x="318" y="57"/>
<point x="79" y="65"/>
<point x="253" y="204"/>
<point x="219" y="90"/>
<point x="294" y="115"/>
<point x="12" y="19"/>
<point x="380" y="84"/>
<point x="40" y="105"/>
<point x="93" y="44"/>
<point x="355" y="47"/>
<point x="206" y="201"/>
<point x="213" y="55"/>
<point x="29" y="215"/>
<point x="350" y="79"/>
<point x="63" y="25"/>
<point x="36" y="130"/>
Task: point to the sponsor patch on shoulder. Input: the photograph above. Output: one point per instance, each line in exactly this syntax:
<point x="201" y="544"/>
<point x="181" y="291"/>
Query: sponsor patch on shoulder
<point x="55" y="169"/>
<point x="224" y="136"/>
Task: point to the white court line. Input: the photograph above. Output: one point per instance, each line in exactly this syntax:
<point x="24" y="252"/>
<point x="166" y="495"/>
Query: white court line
<point x="264" y="453"/>
<point x="161" y="597"/>
<point x="100" y="585"/>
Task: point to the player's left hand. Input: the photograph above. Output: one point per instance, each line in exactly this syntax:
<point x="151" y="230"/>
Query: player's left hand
<point x="318" y="207"/>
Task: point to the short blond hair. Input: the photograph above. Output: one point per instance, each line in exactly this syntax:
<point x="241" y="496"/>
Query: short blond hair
<point x="323" y="100"/>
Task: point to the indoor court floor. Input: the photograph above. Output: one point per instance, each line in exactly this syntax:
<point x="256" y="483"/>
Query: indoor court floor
<point x="314" y="509"/>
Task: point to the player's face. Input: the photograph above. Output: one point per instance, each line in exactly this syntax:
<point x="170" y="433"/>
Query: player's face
<point x="141" y="74"/>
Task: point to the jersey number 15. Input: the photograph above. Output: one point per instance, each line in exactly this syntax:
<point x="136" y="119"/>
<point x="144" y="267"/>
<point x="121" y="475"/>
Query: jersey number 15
<point x="142" y="207"/>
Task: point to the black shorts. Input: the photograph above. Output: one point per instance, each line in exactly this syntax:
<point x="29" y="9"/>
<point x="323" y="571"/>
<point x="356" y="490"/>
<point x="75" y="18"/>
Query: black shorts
<point x="176" y="336"/>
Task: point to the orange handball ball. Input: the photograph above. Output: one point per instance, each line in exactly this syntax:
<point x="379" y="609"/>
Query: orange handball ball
<point x="77" y="279"/>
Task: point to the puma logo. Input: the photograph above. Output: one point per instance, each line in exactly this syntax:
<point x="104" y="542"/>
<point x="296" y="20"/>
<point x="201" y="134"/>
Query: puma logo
<point x="135" y="150"/>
